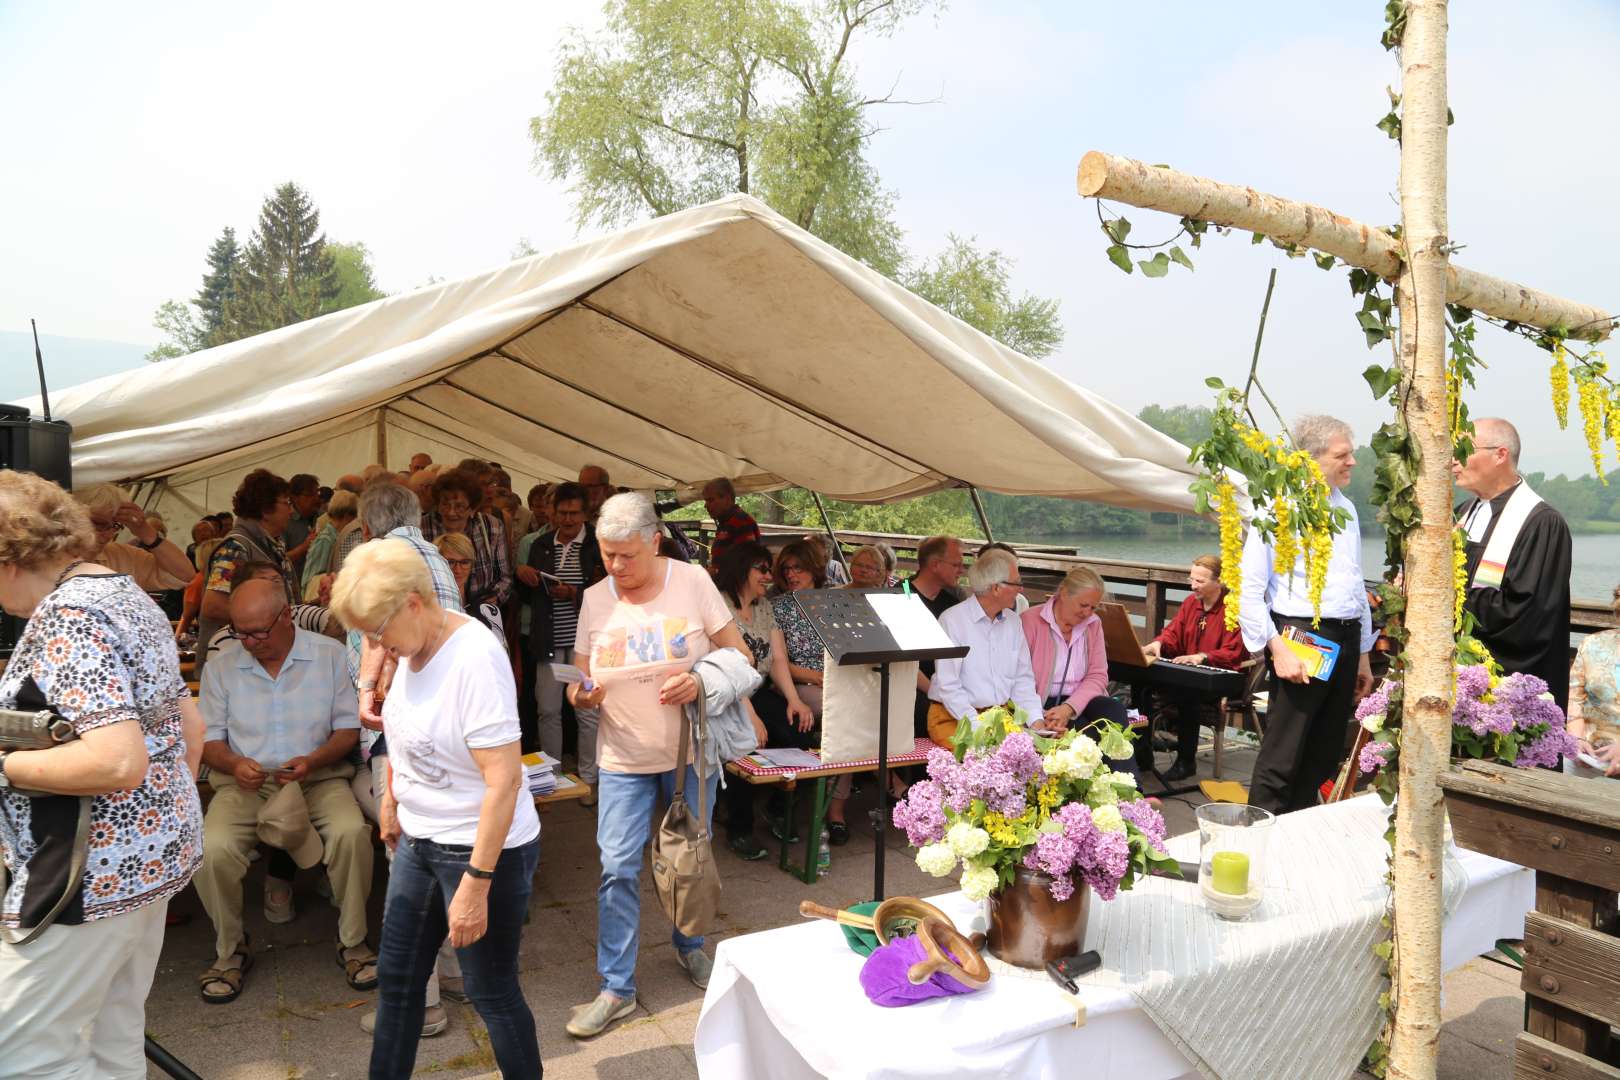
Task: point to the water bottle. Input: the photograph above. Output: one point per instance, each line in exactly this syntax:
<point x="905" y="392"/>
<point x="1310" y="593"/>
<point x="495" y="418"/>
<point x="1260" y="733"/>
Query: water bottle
<point x="824" y="856"/>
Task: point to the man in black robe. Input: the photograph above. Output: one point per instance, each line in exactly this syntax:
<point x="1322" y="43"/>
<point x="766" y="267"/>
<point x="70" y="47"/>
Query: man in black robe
<point x="1518" y="587"/>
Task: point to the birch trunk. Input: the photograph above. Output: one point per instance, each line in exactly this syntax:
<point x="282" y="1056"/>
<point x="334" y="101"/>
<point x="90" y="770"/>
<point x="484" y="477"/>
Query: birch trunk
<point x="1426" y="723"/>
<point x="1122" y="179"/>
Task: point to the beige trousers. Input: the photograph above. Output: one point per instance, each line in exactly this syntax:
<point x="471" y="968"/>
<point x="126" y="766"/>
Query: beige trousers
<point x="74" y="1000"/>
<point x="229" y="837"/>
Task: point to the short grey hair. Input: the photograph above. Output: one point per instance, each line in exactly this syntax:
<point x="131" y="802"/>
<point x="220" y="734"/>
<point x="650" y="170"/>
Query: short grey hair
<point x="1314" y="434"/>
<point x="992" y="568"/>
<point x="1502" y="434"/>
<point x="389" y="505"/>
<point x="625" y="515"/>
<point x="884" y="553"/>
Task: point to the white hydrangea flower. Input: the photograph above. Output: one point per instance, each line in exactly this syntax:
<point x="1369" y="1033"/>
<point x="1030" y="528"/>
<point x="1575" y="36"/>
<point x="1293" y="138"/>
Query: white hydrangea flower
<point x="1108" y="819"/>
<point x="936" y="859"/>
<point x="978" y="882"/>
<point x="967" y="840"/>
<point x="1373" y="723"/>
<point x="1123" y="779"/>
<point x="1086" y="756"/>
<point x="1101" y="794"/>
<point x="1116" y="746"/>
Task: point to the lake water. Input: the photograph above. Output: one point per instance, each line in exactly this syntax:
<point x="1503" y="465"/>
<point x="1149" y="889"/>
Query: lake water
<point x="1595" y="570"/>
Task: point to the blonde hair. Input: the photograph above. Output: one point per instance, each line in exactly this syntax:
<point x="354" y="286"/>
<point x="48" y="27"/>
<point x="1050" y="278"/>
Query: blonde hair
<point x="40" y="523"/>
<point x="1212" y="563"/>
<point x="456" y="544"/>
<point x="107" y="498"/>
<point x="375" y="581"/>
<point x="1080" y="579"/>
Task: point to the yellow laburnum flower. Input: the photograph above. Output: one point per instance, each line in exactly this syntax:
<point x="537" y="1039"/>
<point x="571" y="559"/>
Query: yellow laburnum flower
<point x="1560" y="385"/>
<point x="1594" y="407"/>
<point x="1285" y="539"/>
<point x="1231" y="547"/>
<point x="1459" y="577"/>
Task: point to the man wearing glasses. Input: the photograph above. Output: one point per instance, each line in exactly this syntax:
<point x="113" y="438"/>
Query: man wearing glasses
<point x="997" y="668"/>
<point x="939" y="568"/>
<point x="280" y="709"/>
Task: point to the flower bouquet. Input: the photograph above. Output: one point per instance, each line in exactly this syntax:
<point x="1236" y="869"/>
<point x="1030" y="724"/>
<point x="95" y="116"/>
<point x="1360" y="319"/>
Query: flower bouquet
<point x="1011" y="799"/>
<point x="1513" y="720"/>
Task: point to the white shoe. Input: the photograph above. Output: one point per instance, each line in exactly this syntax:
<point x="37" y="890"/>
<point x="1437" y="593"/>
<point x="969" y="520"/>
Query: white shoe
<point x="278" y="901"/>
<point x="588" y="1021"/>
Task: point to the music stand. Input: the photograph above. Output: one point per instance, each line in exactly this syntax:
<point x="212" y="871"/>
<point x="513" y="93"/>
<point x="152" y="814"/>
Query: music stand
<point x="854" y="633"/>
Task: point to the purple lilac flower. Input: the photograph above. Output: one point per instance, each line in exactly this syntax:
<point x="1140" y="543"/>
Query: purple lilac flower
<point x="1521" y="695"/>
<point x="1018" y="756"/>
<point x="1547" y="750"/>
<point x="1374" y="703"/>
<point x="1105" y="863"/>
<point x="1375" y="755"/>
<point x="1148" y="821"/>
<point x="921" y="814"/>
<point x="1473" y="682"/>
<point x="941" y="765"/>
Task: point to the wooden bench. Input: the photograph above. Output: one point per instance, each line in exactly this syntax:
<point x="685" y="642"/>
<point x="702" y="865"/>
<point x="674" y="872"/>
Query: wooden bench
<point x="747" y="770"/>
<point x="578" y="790"/>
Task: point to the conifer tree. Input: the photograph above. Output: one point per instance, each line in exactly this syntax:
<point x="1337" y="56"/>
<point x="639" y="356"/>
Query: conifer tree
<point x="285" y="274"/>
<point x="218" y="287"/>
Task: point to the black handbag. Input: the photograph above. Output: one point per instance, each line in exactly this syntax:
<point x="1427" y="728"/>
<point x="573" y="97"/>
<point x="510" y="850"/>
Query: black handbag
<point x="42" y="729"/>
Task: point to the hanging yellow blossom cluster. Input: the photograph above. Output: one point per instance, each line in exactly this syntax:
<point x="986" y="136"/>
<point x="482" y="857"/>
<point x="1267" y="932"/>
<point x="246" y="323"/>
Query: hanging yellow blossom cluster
<point x="1560" y="385"/>
<point x="1289" y="494"/>
<point x="1594" y="404"/>
<point x="1459" y="575"/>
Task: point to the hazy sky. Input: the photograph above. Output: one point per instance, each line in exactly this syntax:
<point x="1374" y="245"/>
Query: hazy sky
<point x="137" y="131"/>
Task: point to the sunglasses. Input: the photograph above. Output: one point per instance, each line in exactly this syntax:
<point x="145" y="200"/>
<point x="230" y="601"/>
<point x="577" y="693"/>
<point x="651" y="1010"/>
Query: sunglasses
<point x="762" y="567"/>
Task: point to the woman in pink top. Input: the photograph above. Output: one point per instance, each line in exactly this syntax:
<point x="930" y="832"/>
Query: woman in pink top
<point x="641" y="629"/>
<point x="1067" y="653"/>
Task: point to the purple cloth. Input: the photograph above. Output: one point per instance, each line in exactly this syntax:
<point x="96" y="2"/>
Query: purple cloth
<point x="883" y="976"/>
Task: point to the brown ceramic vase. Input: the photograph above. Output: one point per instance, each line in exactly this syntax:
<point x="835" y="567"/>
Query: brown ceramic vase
<point x="1028" y="928"/>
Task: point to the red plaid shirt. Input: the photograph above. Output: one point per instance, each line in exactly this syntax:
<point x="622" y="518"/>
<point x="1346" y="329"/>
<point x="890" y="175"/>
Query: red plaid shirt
<point x="735" y="528"/>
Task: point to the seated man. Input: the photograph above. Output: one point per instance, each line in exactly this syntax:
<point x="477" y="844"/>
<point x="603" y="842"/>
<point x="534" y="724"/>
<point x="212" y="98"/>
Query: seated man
<point x="997" y="668"/>
<point x="1197" y="635"/>
<point x="280" y="709"/>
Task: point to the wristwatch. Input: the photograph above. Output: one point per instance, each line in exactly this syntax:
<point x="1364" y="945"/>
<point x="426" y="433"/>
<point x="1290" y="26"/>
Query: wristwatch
<point x="5" y="782"/>
<point x="157" y="542"/>
<point x="481" y="875"/>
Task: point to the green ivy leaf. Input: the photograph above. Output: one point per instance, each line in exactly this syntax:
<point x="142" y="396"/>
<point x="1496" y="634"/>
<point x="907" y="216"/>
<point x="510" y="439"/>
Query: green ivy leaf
<point x="1381" y="379"/>
<point x="1391" y="125"/>
<point x="1361" y="280"/>
<point x="1323" y="260"/>
<point x="1119" y="257"/>
<point x="1117" y="230"/>
<point x="1158" y="266"/>
<point x="1257" y="238"/>
<point x="1179" y="256"/>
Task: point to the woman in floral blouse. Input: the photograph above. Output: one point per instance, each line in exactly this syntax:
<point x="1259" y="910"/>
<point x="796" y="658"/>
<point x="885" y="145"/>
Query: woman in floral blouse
<point x="99" y="653"/>
<point x="1594" y="702"/>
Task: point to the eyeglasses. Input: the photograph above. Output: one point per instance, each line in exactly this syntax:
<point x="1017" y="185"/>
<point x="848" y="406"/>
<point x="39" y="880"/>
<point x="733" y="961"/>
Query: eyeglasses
<point x="454" y="506"/>
<point x="258" y="635"/>
<point x="793" y="568"/>
<point x="457" y="564"/>
<point x="105" y="526"/>
<point x="376" y="636"/>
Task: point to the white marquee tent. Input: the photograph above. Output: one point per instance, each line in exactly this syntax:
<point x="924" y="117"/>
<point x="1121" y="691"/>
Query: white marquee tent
<point x="718" y="341"/>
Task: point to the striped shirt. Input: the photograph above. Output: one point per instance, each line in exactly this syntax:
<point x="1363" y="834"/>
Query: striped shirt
<point x="564" y="616"/>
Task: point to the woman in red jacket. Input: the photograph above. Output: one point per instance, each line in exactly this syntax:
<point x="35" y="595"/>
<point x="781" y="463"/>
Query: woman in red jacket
<point x="1197" y="635"/>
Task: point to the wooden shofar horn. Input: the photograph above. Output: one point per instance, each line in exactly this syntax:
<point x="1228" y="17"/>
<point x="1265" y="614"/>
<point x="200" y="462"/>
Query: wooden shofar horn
<point x="813" y="910"/>
<point x="882" y="921"/>
<point x="937" y="935"/>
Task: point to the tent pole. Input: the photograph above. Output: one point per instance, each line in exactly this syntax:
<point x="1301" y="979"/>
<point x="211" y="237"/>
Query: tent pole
<point x="382" y="436"/>
<point x="838" y="551"/>
<point x="984" y="518"/>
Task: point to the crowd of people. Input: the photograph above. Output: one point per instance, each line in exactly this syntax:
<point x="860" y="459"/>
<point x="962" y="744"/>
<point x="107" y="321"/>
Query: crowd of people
<point x="379" y="654"/>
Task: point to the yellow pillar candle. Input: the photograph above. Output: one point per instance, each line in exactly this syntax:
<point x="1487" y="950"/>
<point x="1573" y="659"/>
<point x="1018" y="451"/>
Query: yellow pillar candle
<point x="1230" y="873"/>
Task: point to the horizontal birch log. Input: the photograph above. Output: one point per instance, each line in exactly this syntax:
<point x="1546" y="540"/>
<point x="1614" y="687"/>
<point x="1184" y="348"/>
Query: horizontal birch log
<point x="1125" y="180"/>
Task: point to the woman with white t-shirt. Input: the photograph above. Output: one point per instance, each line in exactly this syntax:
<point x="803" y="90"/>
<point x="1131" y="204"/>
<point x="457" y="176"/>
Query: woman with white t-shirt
<point x="455" y="810"/>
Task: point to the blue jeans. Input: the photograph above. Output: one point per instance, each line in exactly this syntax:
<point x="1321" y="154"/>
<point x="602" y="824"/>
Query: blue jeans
<point x="624" y="809"/>
<point x="421" y="883"/>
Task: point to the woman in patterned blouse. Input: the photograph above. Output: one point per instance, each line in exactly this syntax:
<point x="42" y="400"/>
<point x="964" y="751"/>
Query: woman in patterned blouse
<point x="457" y="496"/>
<point x="1594" y="702"/>
<point x="99" y="653"/>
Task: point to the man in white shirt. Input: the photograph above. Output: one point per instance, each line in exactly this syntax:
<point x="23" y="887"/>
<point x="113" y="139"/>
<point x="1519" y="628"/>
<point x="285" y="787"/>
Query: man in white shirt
<point x="996" y="669"/>
<point x="1307" y="719"/>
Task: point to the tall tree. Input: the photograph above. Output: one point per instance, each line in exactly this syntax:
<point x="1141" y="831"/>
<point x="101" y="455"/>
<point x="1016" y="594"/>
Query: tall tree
<point x="181" y="334"/>
<point x="684" y="101"/>
<point x="286" y="273"/>
<point x="356" y="280"/>
<point x="218" y="287"/>
<point x="974" y="286"/>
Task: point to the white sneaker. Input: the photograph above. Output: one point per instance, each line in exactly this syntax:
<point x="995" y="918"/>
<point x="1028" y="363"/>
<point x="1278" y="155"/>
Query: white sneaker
<point x="278" y="901"/>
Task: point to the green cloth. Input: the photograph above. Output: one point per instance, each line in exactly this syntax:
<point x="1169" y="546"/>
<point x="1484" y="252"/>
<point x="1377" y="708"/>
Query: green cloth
<point x="864" y="942"/>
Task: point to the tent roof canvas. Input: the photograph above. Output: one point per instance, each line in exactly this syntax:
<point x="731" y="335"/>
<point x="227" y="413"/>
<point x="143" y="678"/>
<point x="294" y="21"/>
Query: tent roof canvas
<point x="717" y="341"/>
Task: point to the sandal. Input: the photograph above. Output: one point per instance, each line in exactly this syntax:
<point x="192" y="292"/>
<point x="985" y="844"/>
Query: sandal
<point x="359" y="964"/>
<point x="229" y="977"/>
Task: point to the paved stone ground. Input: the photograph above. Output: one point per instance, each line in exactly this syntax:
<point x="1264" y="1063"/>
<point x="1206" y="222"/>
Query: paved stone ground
<point x="298" y="1020"/>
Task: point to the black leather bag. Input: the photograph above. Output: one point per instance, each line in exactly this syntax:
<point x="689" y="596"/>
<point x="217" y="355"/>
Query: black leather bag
<point x="42" y="729"/>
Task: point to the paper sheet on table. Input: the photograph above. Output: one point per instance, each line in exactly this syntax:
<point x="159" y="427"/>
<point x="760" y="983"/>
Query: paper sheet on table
<point x="786" y="757"/>
<point x="912" y="624"/>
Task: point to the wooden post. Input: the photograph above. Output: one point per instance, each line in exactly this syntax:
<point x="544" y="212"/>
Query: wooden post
<point x="1426" y="716"/>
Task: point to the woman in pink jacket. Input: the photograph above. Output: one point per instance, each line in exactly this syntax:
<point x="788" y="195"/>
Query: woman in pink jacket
<point x="1067" y="653"/>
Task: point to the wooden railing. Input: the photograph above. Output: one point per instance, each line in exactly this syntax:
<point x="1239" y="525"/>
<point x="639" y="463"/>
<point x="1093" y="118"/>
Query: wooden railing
<point x="1151" y="592"/>
<point x="1568" y="830"/>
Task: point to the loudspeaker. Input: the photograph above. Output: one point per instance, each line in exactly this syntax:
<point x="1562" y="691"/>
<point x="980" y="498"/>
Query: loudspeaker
<point x="42" y="448"/>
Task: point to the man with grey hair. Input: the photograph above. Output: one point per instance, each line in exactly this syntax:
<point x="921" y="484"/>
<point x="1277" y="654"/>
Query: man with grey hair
<point x="732" y="524"/>
<point x="997" y="668"/>
<point x="1518" y="561"/>
<point x="1305" y="727"/>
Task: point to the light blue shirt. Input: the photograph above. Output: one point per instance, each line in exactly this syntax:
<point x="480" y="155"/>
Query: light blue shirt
<point x="1344" y="593"/>
<point x="275" y="720"/>
<point x="996" y="669"/>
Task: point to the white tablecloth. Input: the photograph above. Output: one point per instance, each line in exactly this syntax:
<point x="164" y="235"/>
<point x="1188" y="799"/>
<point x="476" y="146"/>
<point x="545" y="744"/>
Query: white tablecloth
<point x="787" y="1003"/>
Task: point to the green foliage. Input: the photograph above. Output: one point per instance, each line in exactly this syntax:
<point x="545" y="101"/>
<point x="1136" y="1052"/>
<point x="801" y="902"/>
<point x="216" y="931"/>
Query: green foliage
<point x="287" y="274"/>
<point x="356" y="281"/>
<point x="180" y="330"/>
<point x="218" y="287"/>
<point x="974" y="286"/>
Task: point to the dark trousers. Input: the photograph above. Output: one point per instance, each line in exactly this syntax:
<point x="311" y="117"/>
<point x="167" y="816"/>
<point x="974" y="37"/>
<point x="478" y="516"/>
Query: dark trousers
<point x="528" y="705"/>
<point x="1187" y="710"/>
<point x="1305" y="725"/>
<point x="421" y="883"/>
<point x="779" y="731"/>
<point x="1102" y="707"/>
